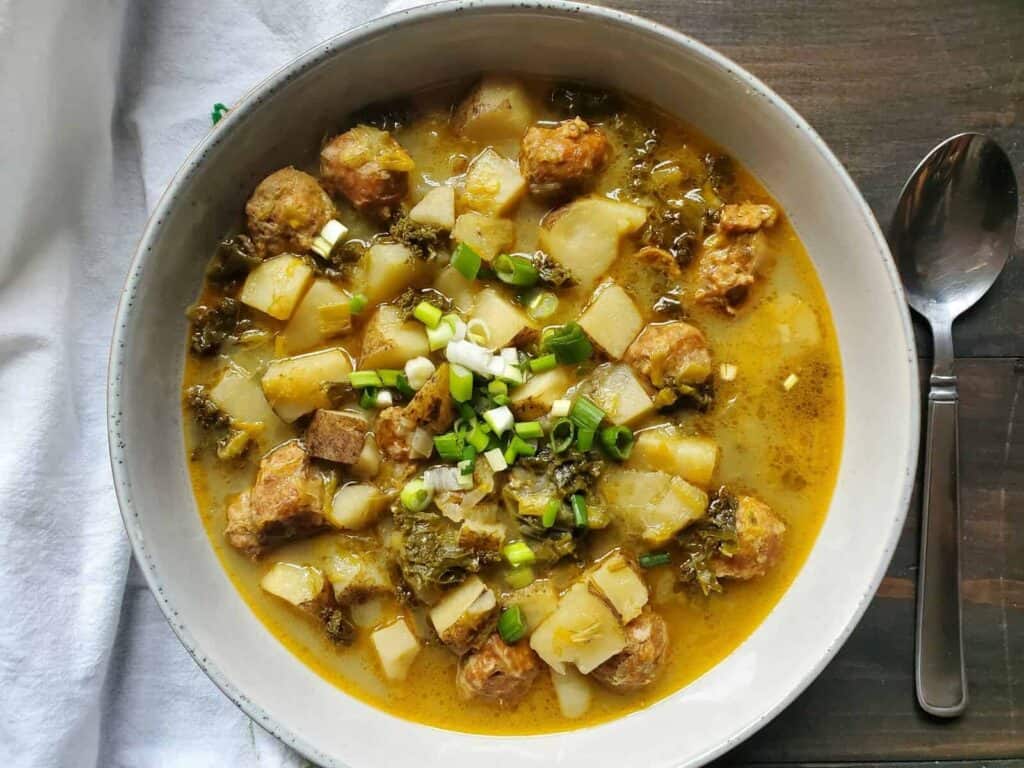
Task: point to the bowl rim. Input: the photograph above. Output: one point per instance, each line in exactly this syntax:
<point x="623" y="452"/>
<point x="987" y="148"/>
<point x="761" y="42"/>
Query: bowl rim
<point x="325" y="49"/>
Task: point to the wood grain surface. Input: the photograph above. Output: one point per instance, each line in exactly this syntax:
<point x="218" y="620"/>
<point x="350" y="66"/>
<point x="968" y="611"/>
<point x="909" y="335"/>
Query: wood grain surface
<point x="883" y="82"/>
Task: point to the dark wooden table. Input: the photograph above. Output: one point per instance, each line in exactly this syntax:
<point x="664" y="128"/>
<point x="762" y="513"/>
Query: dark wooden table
<point x="883" y="82"/>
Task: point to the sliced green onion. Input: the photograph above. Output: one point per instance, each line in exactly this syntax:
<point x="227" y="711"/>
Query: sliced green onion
<point x="500" y="419"/>
<point x="360" y="379"/>
<point x="403" y="386"/>
<point x="449" y="446"/>
<point x="543" y="363"/>
<point x="468" y="465"/>
<point x="512" y="624"/>
<point x="466" y="261"/>
<point x="550" y="515"/>
<point x="478" y="438"/>
<point x="460" y="383"/>
<point x="496" y="460"/>
<point x="500" y="399"/>
<point x="368" y="398"/>
<point x="389" y="377"/>
<point x="585" y="439"/>
<point x="585" y="413"/>
<point x="530" y="430"/>
<point x="510" y="455"/>
<point x="384" y="399"/>
<point x="439" y="336"/>
<point x="478" y="332"/>
<point x="617" y="441"/>
<point x="521" y="447"/>
<point x="518" y="553"/>
<point x="654" y="559"/>
<point x="497" y="388"/>
<point x="562" y="434"/>
<point x="568" y="342"/>
<point x="580" y="518"/>
<point x="540" y="304"/>
<point x="428" y="314"/>
<point x="520" y="577"/>
<point x="515" y="270"/>
<point x="416" y="495"/>
<point x="466" y="411"/>
<point x="358" y="303"/>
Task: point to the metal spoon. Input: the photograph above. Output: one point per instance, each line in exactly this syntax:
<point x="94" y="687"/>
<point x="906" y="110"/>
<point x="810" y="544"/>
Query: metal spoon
<point x="951" y="236"/>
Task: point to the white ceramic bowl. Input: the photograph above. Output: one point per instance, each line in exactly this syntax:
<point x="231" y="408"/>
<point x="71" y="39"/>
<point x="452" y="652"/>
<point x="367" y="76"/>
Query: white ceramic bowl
<point x="282" y="120"/>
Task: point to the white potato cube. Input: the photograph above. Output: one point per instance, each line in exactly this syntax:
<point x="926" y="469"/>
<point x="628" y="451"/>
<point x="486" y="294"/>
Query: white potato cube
<point x="386" y="270"/>
<point x="573" y="691"/>
<point x="276" y="286"/>
<point x="534" y="399"/>
<point x="355" y="575"/>
<point x="294" y="386"/>
<point x="507" y="324"/>
<point x="497" y="111"/>
<point x="356" y="506"/>
<point x="583" y="631"/>
<point x="693" y="458"/>
<point x="460" y="614"/>
<point x="436" y="209"/>
<point x="456" y="287"/>
<point x="368" y="463"/>
<point x="389" y="341"/>
<point x="486" y="235"/>
<point x="620" y="394"/>
<point x="584" y="236"/>
<point x="653" y="506"/>
<point x="617" y="581"/>
<point x="397" y="648"/>
<point x="612" y="320"/>
<point x="296" y="584"/>
<point x="239" y="395"/>
<point x="493" y="184"/>
<point x="323" y="313"/>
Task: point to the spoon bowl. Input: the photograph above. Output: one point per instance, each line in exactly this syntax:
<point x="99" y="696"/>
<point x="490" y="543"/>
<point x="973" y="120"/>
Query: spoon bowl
<point x="951" y="237"/>
<point x="954" y="225"/>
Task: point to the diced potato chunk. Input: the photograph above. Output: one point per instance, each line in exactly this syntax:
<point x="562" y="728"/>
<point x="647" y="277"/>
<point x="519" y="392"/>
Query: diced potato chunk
<point x="508" y="325"/>
<point x="368" y="463"/>
<point x="797" y="324"/>
<point x="480" y="535"/>
<point x="354" y="574"/>
<point x="617" y="581"/>
<point x="537" y="601"/>
<point x="462" y="613"/>
<point x="238" y="394"/>
<point x="535" y="398"/>
<point x="322" y="314"/>
<point x="496" y="112"/>
<point x="612" y="320"/>
<point x="493" y="184"/>
<point x="456" y="287"/>
<point x="294" y="386"/>
<point x="276" y="285"/>
<point x="573" y="692"/>
<point x="356" y="506"/>
<point x="692" y="458"/>
<point x="652" y="505"/>
<point x="620" y="394"/>
<point x="583" y="631"/>
<point x="296" y="584"/>
<point x="486" y="235"/>
<point x="397" y="648"/>
<point x="389" y="341"/>
<point x="436" y="209"/>
<point x="386" y="270"/>
<point x="584" y="236"/>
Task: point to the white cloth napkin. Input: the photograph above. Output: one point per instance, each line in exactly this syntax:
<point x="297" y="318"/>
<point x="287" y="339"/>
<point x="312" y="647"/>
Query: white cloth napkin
<point x="100" y="101"/>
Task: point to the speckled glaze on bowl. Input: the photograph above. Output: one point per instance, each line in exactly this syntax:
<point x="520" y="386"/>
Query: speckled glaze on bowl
<point x="286" y="115"/>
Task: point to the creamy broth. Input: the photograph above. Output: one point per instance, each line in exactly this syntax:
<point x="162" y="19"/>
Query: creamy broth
<point x="775" y="414"/>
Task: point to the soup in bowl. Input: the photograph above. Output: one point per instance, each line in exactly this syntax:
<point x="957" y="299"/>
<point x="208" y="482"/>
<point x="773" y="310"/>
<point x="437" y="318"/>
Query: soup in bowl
<point x="461" y="394"/>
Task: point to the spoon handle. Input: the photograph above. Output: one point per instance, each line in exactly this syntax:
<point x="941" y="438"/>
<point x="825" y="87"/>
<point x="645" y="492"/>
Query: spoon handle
<point x="941" y="678"/>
